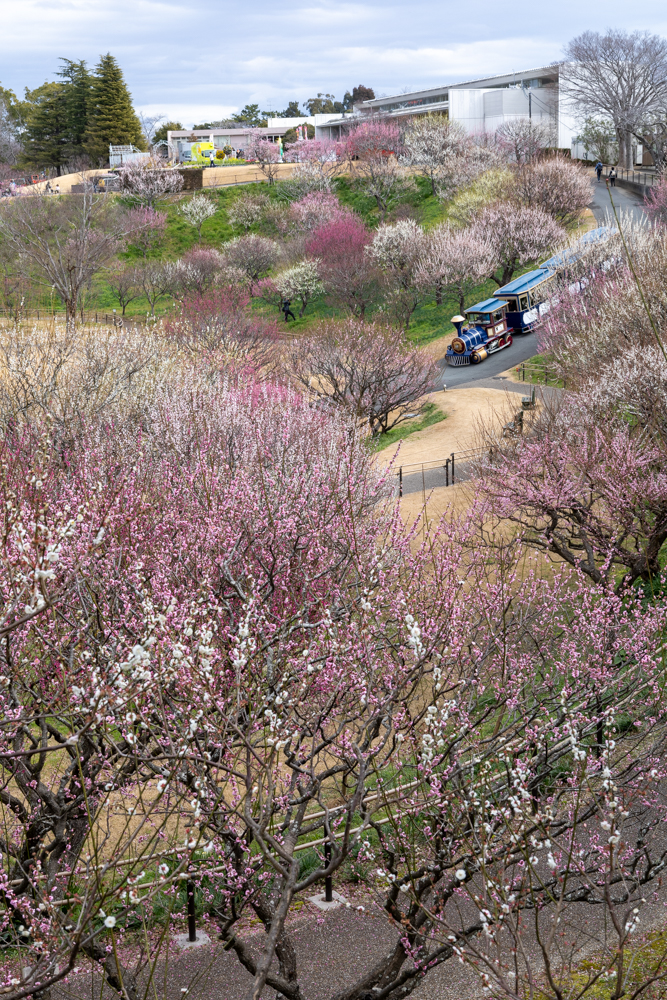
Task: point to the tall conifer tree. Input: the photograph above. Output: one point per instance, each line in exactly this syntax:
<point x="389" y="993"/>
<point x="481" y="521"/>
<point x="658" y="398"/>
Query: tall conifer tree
<point x="111" y="117"/>
<point x="46" y="137"/>
<point x="78" y="85"/>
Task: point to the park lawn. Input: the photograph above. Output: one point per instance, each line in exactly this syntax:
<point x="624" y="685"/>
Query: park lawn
<point x="430" y="322"/>
<point x="431" y="414"/>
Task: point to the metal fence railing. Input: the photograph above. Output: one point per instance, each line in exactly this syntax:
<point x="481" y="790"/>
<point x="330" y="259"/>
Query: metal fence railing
<point x="443" y="468"/>
<point x="646" y="177"/>
<point x="540" y="373"/>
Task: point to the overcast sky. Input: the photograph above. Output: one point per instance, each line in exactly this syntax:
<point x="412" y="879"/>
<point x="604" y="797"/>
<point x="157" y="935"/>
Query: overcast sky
<point x="197" y="60"/>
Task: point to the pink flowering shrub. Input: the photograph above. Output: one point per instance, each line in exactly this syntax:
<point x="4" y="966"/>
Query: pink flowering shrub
<point x="148" y="228"/>
<point x="348" y="273"/>
<point x="219" y="319"/>
<point x="317" y="209"/>
<point x="655" y="202"/>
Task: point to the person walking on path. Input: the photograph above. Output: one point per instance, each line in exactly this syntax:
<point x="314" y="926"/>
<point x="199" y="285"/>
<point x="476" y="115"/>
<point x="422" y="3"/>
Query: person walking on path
<point x="598" y="170"/>
<point x="287" y="312"/>
<point x="612" y="177"/>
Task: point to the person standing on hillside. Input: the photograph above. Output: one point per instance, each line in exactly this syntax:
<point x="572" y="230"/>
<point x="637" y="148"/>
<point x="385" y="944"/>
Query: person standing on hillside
<point x="598" y="170"/>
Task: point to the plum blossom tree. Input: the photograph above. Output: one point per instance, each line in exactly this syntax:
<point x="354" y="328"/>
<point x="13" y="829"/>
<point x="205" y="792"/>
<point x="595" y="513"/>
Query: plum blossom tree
<point x="347" y="272"/>
<point x="587" y="489"/>
<point x="455" y="262"/>
<point x="196" y="211"/>
<point x="197" y="271"/>
<point x="148" y="229"/>
<point x="124" y="283"/>
<point x="373" y="149"/>
<point x="440" y="150"/>
<point x="264" y="152"/>
<point x="219" y="322"/>
<point x="247" y="210"/>
<point x="147" y="181"/>
<point x="398" y="250"/>
<point x="655" y="202"/>
<point x="556" y="185"/>
<point x="317" y="209"/>
<point x="300" y="282"/>
<point x="253" y="255"/>
<point x="319" y="161"/>
<point x="367" y="370"/>
<point x="516" y="236"/>
<point x="157" y="278"/>
<point x="523" y="139"/>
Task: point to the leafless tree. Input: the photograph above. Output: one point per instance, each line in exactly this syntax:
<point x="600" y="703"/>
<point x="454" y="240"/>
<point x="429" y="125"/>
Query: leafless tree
<point x="367" y="369"/>
<point x="621" y="75"/>
<point x="64" y="242"/>
<point x="524" y="138"/>
<point x="149" y="124"/>
<point x="125" y="284"/>
<point x="157" y="278"/>
<point x="9" y="144"/>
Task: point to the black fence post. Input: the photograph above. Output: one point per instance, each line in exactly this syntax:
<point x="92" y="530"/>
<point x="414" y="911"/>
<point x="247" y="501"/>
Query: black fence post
<point x="400" y="481"/>
<point x="328" y="882"/>
<point x="447" y="472"/>
<point x="452" y="458"/>
<point x="192" y="927"/>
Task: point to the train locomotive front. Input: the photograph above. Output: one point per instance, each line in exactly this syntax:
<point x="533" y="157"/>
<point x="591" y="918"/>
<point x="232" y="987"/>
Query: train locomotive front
<point x="485" y="333"/>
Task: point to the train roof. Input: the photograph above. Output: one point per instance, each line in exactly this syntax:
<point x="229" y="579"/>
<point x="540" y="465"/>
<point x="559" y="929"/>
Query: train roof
<point x="488" y="305"/>
<point x="570" y="254"/>
<point x="525" y="282"/>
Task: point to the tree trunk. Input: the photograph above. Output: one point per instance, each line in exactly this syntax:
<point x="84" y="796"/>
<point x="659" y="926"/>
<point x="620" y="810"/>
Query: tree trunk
<point x="70" y="315"/>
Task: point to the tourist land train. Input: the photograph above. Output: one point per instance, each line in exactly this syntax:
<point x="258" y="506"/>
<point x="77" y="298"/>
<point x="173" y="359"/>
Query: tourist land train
<point x="519" y="306"/>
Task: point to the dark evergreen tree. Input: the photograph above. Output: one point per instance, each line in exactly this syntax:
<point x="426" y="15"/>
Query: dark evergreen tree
<point x="249" y="115"/>
<point x="358" y="95"/>
<point x="291" y="111"/>
<point x="46" y="137"/>
<point x="78" y="85"/>
<point x="161" y="132"/>
<point x="111" y="118"/>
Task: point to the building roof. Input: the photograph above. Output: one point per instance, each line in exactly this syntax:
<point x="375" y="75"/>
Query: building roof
<point x="488" y="305"/>
<point x="525" y="282"/>
<point x="481" y="83"/>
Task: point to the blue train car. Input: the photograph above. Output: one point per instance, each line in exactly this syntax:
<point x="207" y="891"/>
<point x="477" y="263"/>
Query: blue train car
<point x="485" y="333"/>
<point x="530" y="297"/>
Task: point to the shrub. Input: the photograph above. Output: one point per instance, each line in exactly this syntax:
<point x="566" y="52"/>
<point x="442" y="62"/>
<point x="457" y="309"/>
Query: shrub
<point x="349" y="276"/>
<point x="300" y="282"/>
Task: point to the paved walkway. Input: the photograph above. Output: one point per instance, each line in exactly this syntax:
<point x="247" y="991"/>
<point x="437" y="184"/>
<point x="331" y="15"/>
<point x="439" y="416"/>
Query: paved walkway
<point x="626" y="202"/>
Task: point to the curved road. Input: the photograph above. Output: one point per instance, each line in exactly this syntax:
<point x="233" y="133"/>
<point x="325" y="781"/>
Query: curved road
<point x="525" y="344"/>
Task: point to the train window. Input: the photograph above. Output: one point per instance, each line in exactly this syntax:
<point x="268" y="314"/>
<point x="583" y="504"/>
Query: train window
<point x="523" y="302"/>
<point x="497" y="316"/>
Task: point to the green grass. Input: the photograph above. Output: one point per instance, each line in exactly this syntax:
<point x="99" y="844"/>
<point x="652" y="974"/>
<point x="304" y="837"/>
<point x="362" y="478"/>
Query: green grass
<point x="431" y="415"/>
<point x="429" y="323"/>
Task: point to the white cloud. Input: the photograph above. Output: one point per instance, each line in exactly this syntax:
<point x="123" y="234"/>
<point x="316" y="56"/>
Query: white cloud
<point x="197" y="59"/>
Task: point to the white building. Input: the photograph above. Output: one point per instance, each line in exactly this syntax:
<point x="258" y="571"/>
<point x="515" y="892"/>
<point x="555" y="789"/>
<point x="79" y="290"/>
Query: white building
<point x="480" y="105"/>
